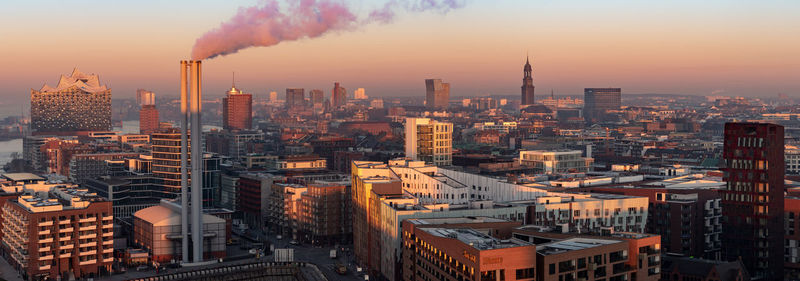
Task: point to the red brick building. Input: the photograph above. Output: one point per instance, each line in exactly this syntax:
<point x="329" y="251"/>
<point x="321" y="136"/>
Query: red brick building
<point x="237" y="110"/>
<point x="148" y="119"/>
<point x="68" y="232"/>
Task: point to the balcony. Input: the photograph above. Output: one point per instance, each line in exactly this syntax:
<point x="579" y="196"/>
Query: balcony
<point x="67" y="246"/>
<point x="90" y="219"/>
<point x="110" y="259"/>
<point x="44" y="249"/>
<point x="88" y="236"/>
<point x="88" y="244"/>
<point x="106" y="234"/>
<point x="44" y="267"/>
<point x="65" y="238"/>
<point x="46" y="223"/>
<point x="45" y="258"/>
<point x="87" y="262"/>
<point x="64" y="255"/>
<point x="69" y="229"/>
<point x="108" y="218"/>
<point x="108" y="242"/>
<point x="108" y="250"/>
<point x="67" y="221"/>
<point x="46" y="240"/>
<point x="87" y="228"/>
<point x="44" y="232"/>
<point x="108" y="225"/>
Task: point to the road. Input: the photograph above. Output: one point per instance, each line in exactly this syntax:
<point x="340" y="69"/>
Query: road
<point x="321" y="257"/>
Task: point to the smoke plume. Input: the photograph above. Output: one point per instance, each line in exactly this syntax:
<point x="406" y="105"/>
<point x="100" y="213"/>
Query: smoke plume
<point x="268" y="24"/>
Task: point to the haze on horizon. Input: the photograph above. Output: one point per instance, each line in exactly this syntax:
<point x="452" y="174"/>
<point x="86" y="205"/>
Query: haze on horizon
<point x="745" y="48"/>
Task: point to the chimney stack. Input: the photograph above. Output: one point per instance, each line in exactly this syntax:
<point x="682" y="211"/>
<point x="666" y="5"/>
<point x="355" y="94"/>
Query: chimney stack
<point x="191" y="105"/>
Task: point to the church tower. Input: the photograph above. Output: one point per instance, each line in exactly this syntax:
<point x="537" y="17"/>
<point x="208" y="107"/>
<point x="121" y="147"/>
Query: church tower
<point x="527" y="84"/>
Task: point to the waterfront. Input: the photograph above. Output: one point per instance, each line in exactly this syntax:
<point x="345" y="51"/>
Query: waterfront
<point x="8" y="149"/>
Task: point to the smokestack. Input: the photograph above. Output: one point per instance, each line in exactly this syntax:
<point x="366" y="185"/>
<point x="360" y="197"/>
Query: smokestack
<point x="184" y="164"/>
<point x="197" y="161"/>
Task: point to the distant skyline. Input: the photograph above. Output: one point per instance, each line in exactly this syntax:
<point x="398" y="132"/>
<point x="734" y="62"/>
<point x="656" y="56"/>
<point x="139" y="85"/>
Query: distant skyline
<point x="737" y="48"/>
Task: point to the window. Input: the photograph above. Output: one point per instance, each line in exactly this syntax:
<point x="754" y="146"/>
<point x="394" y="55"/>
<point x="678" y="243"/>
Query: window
<point x="551" y="269"/>
<point x="527" y="273"/>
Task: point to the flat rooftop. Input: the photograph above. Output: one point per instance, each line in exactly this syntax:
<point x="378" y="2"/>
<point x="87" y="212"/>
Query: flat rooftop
<point x="475" y="239"/>
<point x="461" y="220"/>
<point x="22" y="177"/>
<point x="573" y="244"/>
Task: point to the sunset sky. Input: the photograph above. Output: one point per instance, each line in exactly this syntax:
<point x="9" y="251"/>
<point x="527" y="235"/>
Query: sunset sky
<point x="749" y="48"/>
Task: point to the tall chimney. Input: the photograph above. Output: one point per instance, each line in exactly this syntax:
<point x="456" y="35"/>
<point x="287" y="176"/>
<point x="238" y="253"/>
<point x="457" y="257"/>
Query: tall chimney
<point x="197" y="161"/>
<point x="184" y="164"/>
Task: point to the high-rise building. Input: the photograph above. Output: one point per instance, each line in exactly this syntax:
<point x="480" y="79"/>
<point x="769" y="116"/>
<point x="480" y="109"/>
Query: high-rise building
<point x="166" y="151"/>
<point x="148" y="119"/>
<point x="295" y="97"/>
<point x="145" y="97"/>
<point x="317" y="96"/>
<point x="339" y="95"/>
<point x="77" y="103"/>
<point x="753" y="198"/>
<point x="437" y="93"/>
<point x="598" y="101"/>
<point x="430" y="141"/>
<point x="273" y="96"/>
<point x="237" y="110"/>
<point x="360" y="94"/>
<point x="527" y="84"/>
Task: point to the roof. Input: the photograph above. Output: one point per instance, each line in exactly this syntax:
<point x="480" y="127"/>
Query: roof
<point x="22" y="177"/>
<point x="460" y="220"/>
<point x="160" y="215"/>
<point x="475" y="239"/>
<point x="702" y="268"/>
<point x="86" y="82"/>
<point x="573" y="244"/>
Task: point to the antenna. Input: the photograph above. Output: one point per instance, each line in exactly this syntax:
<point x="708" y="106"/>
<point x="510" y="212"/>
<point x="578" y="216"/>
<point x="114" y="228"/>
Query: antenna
<point x="233" y="79"/>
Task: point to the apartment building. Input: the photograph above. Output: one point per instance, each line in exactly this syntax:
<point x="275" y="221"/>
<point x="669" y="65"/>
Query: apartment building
<point x="555" y="162"/>
<point x="429" y="140"/>
<point x="55" y="234"/>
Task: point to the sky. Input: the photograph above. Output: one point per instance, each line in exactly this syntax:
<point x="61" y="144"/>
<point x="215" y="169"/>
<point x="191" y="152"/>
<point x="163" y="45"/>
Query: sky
<point x="737" y="48"/>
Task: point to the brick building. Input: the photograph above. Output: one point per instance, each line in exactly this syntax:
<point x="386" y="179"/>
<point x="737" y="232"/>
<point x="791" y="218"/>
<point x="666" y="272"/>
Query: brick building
<point x="63" y="232"/>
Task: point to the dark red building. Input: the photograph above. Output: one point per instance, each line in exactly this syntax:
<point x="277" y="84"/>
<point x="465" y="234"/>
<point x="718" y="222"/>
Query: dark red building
<point x="752" y="201"/>
<point x="148" y="119"/>
<point x="237" y="110"/>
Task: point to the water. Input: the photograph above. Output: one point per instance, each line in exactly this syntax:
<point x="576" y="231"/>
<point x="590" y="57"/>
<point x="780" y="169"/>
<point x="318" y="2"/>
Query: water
<point x="8" y="149"/>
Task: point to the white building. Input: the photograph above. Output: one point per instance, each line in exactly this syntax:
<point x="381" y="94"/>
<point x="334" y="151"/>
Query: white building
<point x="433" y="192"/>
<point x="503" y="127"/>
<point x="555" y="162"/>
<point x="430" y="141"/>
<point x="792" y="158"/>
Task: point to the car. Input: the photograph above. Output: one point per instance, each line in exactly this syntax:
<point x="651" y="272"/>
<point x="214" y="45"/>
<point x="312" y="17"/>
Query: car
<point x="279" y="237"/>
<point x="142" y="268"/>
<point x="294" y="242"/>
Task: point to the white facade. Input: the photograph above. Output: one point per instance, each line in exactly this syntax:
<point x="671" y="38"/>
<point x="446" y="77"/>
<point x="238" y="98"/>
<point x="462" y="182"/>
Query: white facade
<point x="429" y="140"/>
<point x="561" y="161"/>
<point x="504" y="127"/>
<point x="433" y="192"/>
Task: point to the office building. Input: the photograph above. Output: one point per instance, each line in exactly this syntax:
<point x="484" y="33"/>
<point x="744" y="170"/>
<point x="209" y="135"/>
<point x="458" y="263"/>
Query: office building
<point x="339" y="96"/>
<point x="429" y="140"/>
<point x="555" y="162"/>
<point x="295" y="98"/>
<point x="77" y="103"/>
<point x="527" y="84"/>
<point x="597" y="102"/>
<point x="753" y="198"/>
<point x="360" y="94"/>
<point x="237" y="110"/>
<point x="252" y="198"/>
<point x="59" y="233"/>
<point x="166" y="151"/>
<point x="148" y="119"/>
<point x="437" y="94"/>
<point x="687" y="268"/>
<point x="317" y="96"/>
<point x="273" y="97"/>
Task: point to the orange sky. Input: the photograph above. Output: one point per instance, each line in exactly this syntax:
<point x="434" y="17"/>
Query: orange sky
<point x="737" y="47"/>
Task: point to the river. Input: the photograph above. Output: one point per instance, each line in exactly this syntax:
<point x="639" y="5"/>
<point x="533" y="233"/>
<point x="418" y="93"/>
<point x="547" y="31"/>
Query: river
<point x="8" y="149"/>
